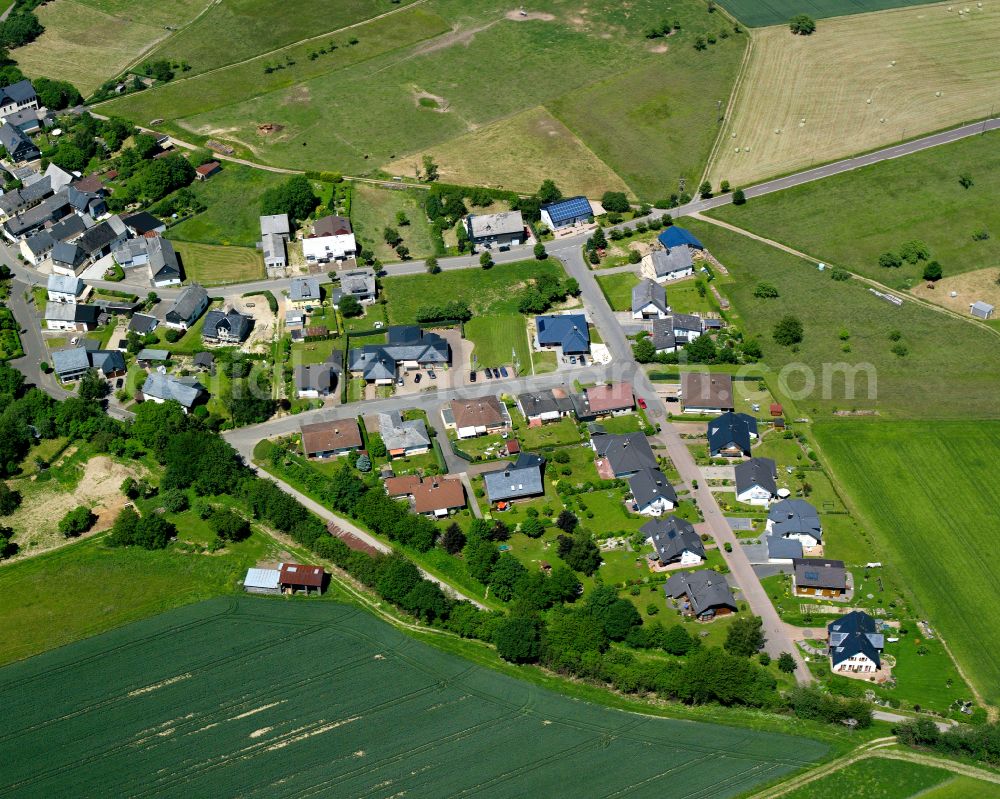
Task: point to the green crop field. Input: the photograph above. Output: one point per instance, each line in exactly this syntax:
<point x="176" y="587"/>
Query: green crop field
<point x="374" y="209"/>
<point x="496" y="336"/>
<point x="852" y="218"/>
<point x="758" y="13"/>
<point x="874" y="778"/>
<point x="213" y="265"/>
<point x="926" y="492"/>
<point x="942" y="375"/>
<point x="492" y="291"/>
<point x="269" y="697"/>
<point x="618" y="289"/>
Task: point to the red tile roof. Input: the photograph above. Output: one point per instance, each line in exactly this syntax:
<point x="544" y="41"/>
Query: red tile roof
<point x="209" y="168"/>
<point x="437" y="493"/>
<point x="613" y="397"/>
<point x="401" y="486"/>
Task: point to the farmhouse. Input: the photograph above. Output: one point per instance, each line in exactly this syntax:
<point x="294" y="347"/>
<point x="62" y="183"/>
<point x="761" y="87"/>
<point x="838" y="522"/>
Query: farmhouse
<point x="304" y="292"/>
<point x="332" y="239"/>
<point x="505" y="229"/>
<point x="731" y="434"/>
<point x="517" y="480"/>
<point x="702" y="392"/>
<point x="566" y="332"/>
<point x="315" y="380"/>
<point x="296" y="577"/>
<point x="652" y="494"/>
<point x="649" y="300"/>
<point x="71" y="317"/>
<point x="190" y="305"/>
<point x="675" y="541"/>
<point x="756" y="481"/>
<point x="17" y="143"/>
<point x="819" y="577"/>
<point x="598" y="402"/>
<point x="99" y="240"/>
<point x="663" y="266"/>
<point x="702" y="594"/>
<point x="548" y="405"/>
<point x="478" y="417"/>
<point x="855" y="644"/>
<point x="17" y="97"/>
<point x="403" y="438"/>
<point x="622" y="455"/>
<point x="160" y="387"/>
<point x="408" y="347"/>
<point x="330" y="439"/>
<point x="566" y="213"/>
<point x="795" y="518"/>
<point x="358" y="283"/>
<point x="63" y="288"/>
<point x="47" y="212"/>
<point x="28" y="196"/>
<point x="226" y="327"/>
<point x="262" y="581"/>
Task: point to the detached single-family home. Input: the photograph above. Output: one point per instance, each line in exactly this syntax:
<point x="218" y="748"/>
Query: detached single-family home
<point x="652" y="494"/>
<point x="402" y="486"/>
<point x="702" y="594"/>
<point x="403" y="437"/>
<point x="566" y="332"/>
<point x="518" y="480"/>
<point x="332" y="239"/>
<point x="479" y="416"/>
<point x="566" y="213"/>
<point x="358" y="283"/>
<point x="547" y="405"/>
<point x="144" y="223"/>
<point x="756" y="481"/>
<point x="505" y="229"/>
<point x="671" y="333"/>
<point x="71" y="316"/>
<point x="304" y="292"/>
<point x="663" y="266"/>
<point x="110" y="363"/>
<point x="187" y="308"/>
<point x="438" y="496"/>
<point x="407" y="347"/>
<point x="598" y="402"/>
<point x="675" y="541"/>
<point x="161" y="387"/>
<point x="819" y="577"/>
<point x="17" y="97"/>
<point x="315" y="380"/>
<point x="71" y="363"/>
<point x="295" y="577"/>
<point x="622" y="455"/>
<point x="63" y="288"/>
<point x="649" y="300"/>
<point x="226" y="327"/>
<point x="142" y="324"/>
<point x="275" y="231"/>
<point x="330" y="439"/>
<point x="164" y="267"/>
<point x="17" y="143"/>
<point x="795" y="518"/>
<point x="704" y="392"/>
<point x="855" y="644"/>
<point x="731" y="435"/>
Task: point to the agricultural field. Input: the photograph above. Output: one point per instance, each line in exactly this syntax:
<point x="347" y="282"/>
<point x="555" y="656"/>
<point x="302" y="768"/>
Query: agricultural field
<point x="941" y="373"/>
<point x="174" y="706"/>
<point x="374" y="209"/>
<point x="850" y="219"/>
<point x="495" y="337"/>
<point x="215" y="265"/>
<point x="876" y="778"/>
<point x="911" y="72"/>
<point x="586" y="77"/>
<point x="758" y="13"/>
<point x="923" y="491"/>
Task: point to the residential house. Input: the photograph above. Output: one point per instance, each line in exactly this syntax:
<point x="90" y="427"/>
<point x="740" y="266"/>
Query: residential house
<point x="782" y="550"/>
<point x="649" y="300"/>
<point x="981" y="310"/>
<point x="164" y="268"/>
<point x="505" y="229"/>
<point x="332" y="239"/>
<point x="315" y="380"/>
<point x="226" y="327"/>
<point x="187" y="308"/>
<point x="407" y="347"/>
<point x="795" y="518"/>
<point x="566" y="332"/>
<point x="671" y="333"/>
<point x="47" y="212"/>
<point x="403" y="486"/>
<point x="295" y="320"/>
<point x="17" y="97"/>
<point x="330" y="439"/>
<point x="262" y="581"/>
<point x="675" y="236"/>
<point x="160" y="388"/>
<point x="88" y="204"/>
<point x="71" y="363"/>
<point x="358" y="283"/>
<point x="71" y="316"/>
<point x="518" y="480"/>
<point x="622" y="455"/>
<point x="131" y="253"/>
<point x="205" y="171"/>
<point x="63" y="288"/>
<point x="566" y="213"/>
<point x="144" y="224"/>
<point x="274" y="234"/>
<point x="731" y="435"/>
<point x="819" y="577"/>
<point x="38" y="246"/>
<point x="652" y="494"/>
<point x="855" y="644"/>
<point x="110" y="363"/>
<point x="702" y="594"/>
<point x="101" y="239"/>
<point x="598" y="402"/>
<point x="675" y="541"/>
<point x="756" y="481"/>
<point x="304" y="292"/>
<point x="438" y="496"/>
<point x="479" y="416"/>
<point x="295" y="577"/>
<point x="548" y="405"/>
<point x="664" y="266"/>
<point x="18" y="144"/>
<point x="28" y="121"/>
<point x="15" y="201"/>
<point x="67" y="259"/>
<point x="403" y="438"/>
<point x="142" y="324"/>
<point x="704" y="392"/>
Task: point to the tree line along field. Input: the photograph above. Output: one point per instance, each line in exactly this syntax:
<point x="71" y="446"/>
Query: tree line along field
<point x="587" y="72"/>
<point x="942" y="375"/>
<point x="269" y="697"/>
<point x="915" y="65"/>
<point x="850" y="219"/>
<point x="927" y="494"/>
<point x="758" y="13"/>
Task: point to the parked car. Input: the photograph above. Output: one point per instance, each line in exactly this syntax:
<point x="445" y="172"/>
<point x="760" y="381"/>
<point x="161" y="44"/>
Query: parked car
<point x="496" y="373"/>
<point x="572" y="359"/>
<point x="489" y="375"/>
<point x="432" y="374"/>
<point x="472" y="377"/>
<point x="399" y="381"/>
<point x="642" y="403"/>
<point x="504" y="372"/>
<point x="120" y="383"/>
<point x="583" y="361"/>
<point x="417" y="377"/>
<point x="251" y="305"/>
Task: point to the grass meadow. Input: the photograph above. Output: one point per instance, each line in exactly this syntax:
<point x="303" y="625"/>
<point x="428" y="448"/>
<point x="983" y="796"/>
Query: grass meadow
<point x="374" y="209"/>
<point x="215" y="265"/>
<point x="618" y="289"/>
<point x="926" y="494"/>
<point x="758" y="13"/>
<point x="851" y="219"/>
<point x="496" y="337"/>
<point x="913" y="64"/>
<point x="942" y="375"/>
<point x="201" y="700"/>
<point x="875" y="778"/>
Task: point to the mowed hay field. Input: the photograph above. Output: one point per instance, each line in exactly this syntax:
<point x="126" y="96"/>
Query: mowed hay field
<point x="851" y="219"/>
<point x="266" y="697"/>
<point x="212" y="265"/>
<point x="927" y="491"/>
<point x="946" y="372"/>
<point x="88" y="41"/>
<point x="794" y="78"/>
<point x="758" y="13"/>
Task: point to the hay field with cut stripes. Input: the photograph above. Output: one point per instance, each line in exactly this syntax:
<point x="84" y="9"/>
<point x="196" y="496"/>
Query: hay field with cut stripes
<point x="758" y="13"/>
<point x="266" y="697"/>
<point x="828" y="78"/>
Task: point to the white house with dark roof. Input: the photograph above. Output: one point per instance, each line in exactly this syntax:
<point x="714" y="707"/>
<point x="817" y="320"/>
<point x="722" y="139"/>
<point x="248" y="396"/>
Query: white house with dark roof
<point x="674" y="541"/>
<point x="332" y="239"/>
<point x="518" y="480"/>
<point x="566" y="213"/>
<point x="226" y="327"/>
<point x="358" y="283"/>
<point x="756" y="481"/>
<point x="187" y="308"/>
<point x="63" y="288"/>
<point x="71" y="317"/>
<point x="403" y="437"/>
<point x="664" y="266"/>
<point x="855" y="644"/>
<point x="703" y="594"/>
<point x="795" y="518"/>
<point x="545" y="405"/>
<point x="304" y="292"/>
<point x="649" y="300"/>
<point x="652" y="494"/>
<point x="568" y="333"/>
<point x="622" y="455"/>
<point x="160" y="388"/>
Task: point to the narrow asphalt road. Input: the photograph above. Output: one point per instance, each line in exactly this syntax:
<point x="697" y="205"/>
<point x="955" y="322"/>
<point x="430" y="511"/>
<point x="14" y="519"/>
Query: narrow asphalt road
<point x="32" y="343"/>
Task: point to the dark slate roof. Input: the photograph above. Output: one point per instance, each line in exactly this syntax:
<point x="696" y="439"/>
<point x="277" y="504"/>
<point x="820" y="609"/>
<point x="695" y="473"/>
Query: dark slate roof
<point x="68" y="228"/>
<point x="672" y="537"/>
<point x="69" y="360"/>
<point x="40" y="243"/>
<point x="108" y="361"/>
<point x="820" y="573"/>
<point x="666" y="262"/>
<point x="568" y="331"/>
<point x="14" y="138"/>
<point x="568" y="210"/>
<point x="794" y="516"/>
<point x="649" y="485"/>
<point x="97" y="237"/>
<point x="167" y="387"/>
<point x="188" y="302"/>
<point x="163" y="263"/>
<point x="142" y="324"/>
<point x="757" y="472"/>
<point x="783" y="548"/>
<point x="405" y="343"/>
<point x="523" y="478"/>
<point x="204" y="359"/>
<point x="626" y="452"/>
<point x="855" y="633"/>
<point x="538" y="402"/>
<point x="675" y="236"/>
<point x="142" y="223"/>
<point x="236" y="324"/>
<point x="647" y="292"/>
<point x="21" y="92"/>
<point x="705" y="590"/>
<point x="731" y="428"/>
<point x="315" y="376"/>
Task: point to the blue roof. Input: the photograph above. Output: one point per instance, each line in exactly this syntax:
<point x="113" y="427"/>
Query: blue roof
<point x="568" y="331"/>
<point x="568" y="210"/>
<point x="674" y="236"/>
<point x="731" y="428"/>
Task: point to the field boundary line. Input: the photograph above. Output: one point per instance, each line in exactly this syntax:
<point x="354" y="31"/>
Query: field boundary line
<point x="154" y="46"/>
<point x="733" y="94"/>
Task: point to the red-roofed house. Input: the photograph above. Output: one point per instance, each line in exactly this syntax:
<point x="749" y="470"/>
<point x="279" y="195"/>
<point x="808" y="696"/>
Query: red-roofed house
<point x="610" y="399"/>
<point x="437" y="496"/>
<point x="205" y="171"/>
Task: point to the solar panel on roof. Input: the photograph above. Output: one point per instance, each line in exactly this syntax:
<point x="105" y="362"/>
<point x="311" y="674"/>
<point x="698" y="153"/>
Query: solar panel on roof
<point x="812" y="575"/>
<point x="569" y="209"/>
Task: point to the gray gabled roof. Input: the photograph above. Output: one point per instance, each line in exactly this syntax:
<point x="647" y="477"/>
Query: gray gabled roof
<point x="21" y="92"/>
<point x="70" y="312"/>
<point x="14" y="139"/>
<point x="626" y="452"/>
<point x="64" y="284"/>
<point x="795" y="516"/>
<point x="522" y="478"/>
<point x="275" y="223"/>
<point x="536" y="403"/>
<point x="108" y="361"/>
<point x="190" y="299"/>
<point x="163" y="263"/>
<point x="100" y="236"/>
<point x="69" y="254"/>
<point x="649" y="292"/>
<point x="676" y="259"/>
<point x="142" y="323"/>
<point x="320" y="377"/>
<point x="303" y="289"/>
<point x="731" y="428"/>
<point x="73" y="359"/>
<point x="760" y="472"/>
<point x="672" y="537"/>
<point x="819" y="573"/>
<point x="232" y="322"/>
<point x="399" y="434"/>
<point x="166" y="387"/>
<point x="650" y="485"/>
<point x="783" y="548"/>
<point x="705" y="590"/>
